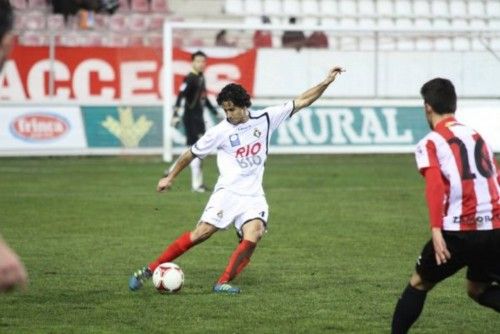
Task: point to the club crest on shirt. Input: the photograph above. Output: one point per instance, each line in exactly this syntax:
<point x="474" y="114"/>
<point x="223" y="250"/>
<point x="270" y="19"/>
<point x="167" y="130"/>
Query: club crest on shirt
<point x="256" y="133"/>
<point x="234" y="139"/>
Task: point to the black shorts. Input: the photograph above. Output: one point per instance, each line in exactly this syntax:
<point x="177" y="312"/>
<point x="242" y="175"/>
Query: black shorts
<point x="195" y="128"/>
<point x="479" y="251"/>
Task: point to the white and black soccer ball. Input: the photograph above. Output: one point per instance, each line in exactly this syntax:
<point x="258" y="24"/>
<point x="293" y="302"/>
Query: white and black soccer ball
<point x="168" y="278"/>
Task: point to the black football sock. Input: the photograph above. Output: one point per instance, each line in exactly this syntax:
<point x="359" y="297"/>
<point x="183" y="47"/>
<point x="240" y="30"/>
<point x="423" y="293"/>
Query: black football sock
<point x="408" y="309"/>
<point x="491" y="297"/>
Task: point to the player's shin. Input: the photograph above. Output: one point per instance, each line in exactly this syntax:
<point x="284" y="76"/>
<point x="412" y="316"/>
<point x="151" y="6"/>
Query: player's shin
<point x="238" y="260"/>
<point x="490" y="297"/>
<point x="408" y="309"/>
<point x="173" y="251"/>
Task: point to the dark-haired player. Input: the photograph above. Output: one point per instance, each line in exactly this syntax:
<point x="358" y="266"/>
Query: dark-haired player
<point x="194" y="94"/>
<point x="241" y="142"/>
<point x="462" y="192"/>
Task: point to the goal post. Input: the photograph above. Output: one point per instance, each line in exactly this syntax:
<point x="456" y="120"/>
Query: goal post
<point x="370" y="41"/>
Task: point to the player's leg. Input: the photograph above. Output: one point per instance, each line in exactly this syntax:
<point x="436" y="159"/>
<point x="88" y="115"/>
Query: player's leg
<point x="483" y="273"/>
<point x="197" y="176"/>
<point x="179" y="246"/>
<point x="183" y="243"/>
<point x="194" y="130"/>
<point x="486" y="294"/>
<point x="427" y="275"/>
<point x="410" y="304"/>
<point x="252" y="233"/>
<point x="250" y="225"/>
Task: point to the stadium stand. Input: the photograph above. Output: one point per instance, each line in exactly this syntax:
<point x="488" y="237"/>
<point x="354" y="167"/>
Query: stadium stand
<point x="139" y="22"/>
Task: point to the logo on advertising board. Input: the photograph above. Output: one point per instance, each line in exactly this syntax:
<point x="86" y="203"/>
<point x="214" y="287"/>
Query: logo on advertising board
<point x="123" y="126"/>
<point x="353" y="126"/>
<point x="39" y="126"/>
<point x="128" y="130"/>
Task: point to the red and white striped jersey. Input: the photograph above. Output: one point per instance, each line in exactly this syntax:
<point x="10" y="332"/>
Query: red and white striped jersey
<point x="469" y="173"/>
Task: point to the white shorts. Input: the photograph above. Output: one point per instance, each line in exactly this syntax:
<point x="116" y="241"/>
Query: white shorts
<point x="225" y="208"/>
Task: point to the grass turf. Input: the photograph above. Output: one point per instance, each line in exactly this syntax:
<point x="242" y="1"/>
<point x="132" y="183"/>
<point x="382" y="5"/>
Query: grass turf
<point x="344" y="233"/>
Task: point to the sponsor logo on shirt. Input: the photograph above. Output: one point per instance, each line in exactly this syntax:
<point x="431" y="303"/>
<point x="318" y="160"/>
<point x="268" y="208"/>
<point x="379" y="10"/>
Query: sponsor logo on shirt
<point x="244" y="127"/>
<point x="248" y="150"/>
<point x="234" y="140"/>
<point x="220" y="214"/>
<point x="473" y="219"/>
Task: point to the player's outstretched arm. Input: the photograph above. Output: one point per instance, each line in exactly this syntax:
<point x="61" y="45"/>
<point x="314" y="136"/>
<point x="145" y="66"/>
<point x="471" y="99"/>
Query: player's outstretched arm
<point x="309" y="96"/>
<point x="181" y="163"/>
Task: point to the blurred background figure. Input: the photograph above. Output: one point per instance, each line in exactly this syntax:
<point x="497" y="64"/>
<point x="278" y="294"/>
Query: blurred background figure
<point x="12" y="272"/>
<point x="263" y="38"/>
<point x="194" y="93"/>
<point x="6" y="25"/>
<point x="221" y="39"/>
<point x="317" y="39"/>
<point x="84" y="9"/>
<point x="293" y="38"/>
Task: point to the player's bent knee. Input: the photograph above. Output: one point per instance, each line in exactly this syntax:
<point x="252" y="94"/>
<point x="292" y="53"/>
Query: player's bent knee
<point x="253" y="230"/>
<point x="418" y="283"/>
<point x="475" y="289"/>
<point x="202" y="232"/>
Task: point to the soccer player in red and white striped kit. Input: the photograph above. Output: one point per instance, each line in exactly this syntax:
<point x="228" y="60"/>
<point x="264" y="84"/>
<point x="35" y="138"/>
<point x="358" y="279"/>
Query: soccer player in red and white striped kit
<point x="462" y="193"/>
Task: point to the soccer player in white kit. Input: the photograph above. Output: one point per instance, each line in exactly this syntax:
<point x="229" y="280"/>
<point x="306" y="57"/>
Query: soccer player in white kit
<point x="242" y="144"/>
<point x="463" y="196"/>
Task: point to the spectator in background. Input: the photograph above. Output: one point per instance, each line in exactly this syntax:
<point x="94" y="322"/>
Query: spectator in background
<point x="263" y="38"/>
<point x="318" y="39"/>
<point x="12" y="272"/>
<point x="84" y="8"/>
<point x="6" y="25"/>
<point x="293" y="38"/>
<point x="221" y="39"/>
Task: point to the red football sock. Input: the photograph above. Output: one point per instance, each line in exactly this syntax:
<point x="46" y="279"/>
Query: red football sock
<point x="238" y="260"/>
<point x="173" y="251"/>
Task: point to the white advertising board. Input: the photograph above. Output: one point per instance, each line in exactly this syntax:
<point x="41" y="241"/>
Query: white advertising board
<point x="40" y="130"/>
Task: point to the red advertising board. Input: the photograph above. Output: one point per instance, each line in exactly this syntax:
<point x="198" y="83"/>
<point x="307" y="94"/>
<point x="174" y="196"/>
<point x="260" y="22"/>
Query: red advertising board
<point x="107" y="74"/>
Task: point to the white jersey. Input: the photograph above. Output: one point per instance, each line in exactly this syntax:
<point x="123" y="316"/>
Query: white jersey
<point x="468" y="170"/>
<point x="242" y="149"/>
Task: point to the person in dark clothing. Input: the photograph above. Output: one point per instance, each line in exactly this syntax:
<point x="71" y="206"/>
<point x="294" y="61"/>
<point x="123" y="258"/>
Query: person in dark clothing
<point x="293" y="38"/>
<point x="194" y="94"/>
<point x="72" y="7"/>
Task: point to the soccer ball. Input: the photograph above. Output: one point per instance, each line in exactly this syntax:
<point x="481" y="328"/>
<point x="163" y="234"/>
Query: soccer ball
<point x="168" y="278"/>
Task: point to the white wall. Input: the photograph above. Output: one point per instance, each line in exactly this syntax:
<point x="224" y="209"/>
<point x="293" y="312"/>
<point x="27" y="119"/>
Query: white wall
<point x="283" y="73"/>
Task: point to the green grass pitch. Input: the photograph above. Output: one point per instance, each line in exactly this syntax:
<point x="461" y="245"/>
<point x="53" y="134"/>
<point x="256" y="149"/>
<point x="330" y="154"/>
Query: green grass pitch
<point x="344" y="233"/>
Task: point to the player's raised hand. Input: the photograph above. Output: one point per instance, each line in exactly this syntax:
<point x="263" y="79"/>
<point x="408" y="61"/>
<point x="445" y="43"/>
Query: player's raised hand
<point x="164" y="184"/>
<point x="332" y="74"/>
<point x="440" y="249"/>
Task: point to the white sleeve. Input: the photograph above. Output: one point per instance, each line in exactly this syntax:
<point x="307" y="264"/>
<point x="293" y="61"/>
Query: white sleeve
<point x="421" y="156"/>
<point x="277" y="114"/>
<point x="426" y="154"/>
<point x="207" y="143"/>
